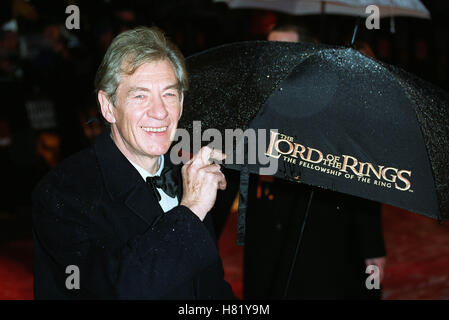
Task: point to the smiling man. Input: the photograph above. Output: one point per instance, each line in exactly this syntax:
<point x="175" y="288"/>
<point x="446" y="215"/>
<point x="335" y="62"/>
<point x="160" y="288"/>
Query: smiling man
<point x="142" y="133"/>
<point x="119" y="220"/>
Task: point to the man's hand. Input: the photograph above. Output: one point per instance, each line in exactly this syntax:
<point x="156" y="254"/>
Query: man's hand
<point x="201" y="179"/>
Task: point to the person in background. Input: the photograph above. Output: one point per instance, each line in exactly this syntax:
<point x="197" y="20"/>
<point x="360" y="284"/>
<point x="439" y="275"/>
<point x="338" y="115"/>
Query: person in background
<point x="91" y="125"/>
<point x="290" y="33"/>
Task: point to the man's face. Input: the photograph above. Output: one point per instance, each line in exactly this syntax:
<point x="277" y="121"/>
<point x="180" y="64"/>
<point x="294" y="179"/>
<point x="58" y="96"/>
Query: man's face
<point x="288" y="36"/>
<point x="148" y="107"/>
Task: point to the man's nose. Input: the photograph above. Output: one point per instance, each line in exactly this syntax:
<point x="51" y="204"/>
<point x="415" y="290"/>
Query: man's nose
<point x="157" y="108"/>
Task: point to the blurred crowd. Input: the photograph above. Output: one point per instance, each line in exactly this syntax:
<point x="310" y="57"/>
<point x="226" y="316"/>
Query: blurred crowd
<point x="48" y="107"/>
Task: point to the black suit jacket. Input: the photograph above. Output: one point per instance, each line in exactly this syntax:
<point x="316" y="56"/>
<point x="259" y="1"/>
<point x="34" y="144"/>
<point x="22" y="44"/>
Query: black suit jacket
<point x="96" y="212"/>
<point x="341" y="232"/>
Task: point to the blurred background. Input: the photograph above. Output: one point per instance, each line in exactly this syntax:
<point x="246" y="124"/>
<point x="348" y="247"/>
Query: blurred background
<point x="47" y="97"/>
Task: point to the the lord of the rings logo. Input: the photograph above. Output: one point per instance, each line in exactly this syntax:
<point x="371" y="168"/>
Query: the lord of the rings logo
<point x="283" y="147"/>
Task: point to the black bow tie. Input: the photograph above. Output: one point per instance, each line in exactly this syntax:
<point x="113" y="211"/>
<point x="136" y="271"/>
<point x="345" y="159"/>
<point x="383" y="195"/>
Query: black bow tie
<point x="167" y="181"/>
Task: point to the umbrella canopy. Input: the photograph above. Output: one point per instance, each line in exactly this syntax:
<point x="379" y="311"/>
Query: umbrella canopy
<point x="334" y="118"/>
<point x="387" y="8"/>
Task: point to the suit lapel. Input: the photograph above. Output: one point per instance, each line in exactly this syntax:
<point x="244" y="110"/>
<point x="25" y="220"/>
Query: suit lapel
<point x="123" y="182"/>
<point x="143" y="203"/>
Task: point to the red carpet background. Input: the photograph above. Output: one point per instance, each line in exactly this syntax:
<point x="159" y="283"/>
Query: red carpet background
<point x="16" y="274"/>
<point x="417" y="258"/>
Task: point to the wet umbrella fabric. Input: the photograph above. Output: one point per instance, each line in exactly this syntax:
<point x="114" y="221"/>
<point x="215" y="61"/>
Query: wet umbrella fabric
<point x="411" y="8"/>
<point x="344" y="122"/>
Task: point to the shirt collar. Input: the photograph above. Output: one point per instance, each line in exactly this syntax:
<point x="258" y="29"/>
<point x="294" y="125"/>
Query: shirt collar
<point x="144" y="173"/>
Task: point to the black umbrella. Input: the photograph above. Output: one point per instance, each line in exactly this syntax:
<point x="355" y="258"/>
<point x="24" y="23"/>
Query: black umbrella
<point x="344" y="121"/>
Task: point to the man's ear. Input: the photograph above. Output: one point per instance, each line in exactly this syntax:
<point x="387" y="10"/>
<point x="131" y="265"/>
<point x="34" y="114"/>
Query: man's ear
<point x="107" y="108"/>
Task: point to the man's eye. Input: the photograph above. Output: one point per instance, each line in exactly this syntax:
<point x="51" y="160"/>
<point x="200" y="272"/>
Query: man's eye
<point x="170" y="94"/>
<point x="140" y="96"/>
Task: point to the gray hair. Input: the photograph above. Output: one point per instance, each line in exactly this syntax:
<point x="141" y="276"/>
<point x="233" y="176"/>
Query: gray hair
<point x="129" y="50"/>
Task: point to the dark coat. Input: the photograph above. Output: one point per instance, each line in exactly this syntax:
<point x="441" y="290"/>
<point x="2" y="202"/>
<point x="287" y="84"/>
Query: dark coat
<point x="341" y="232"/>
<point x="96" y="212"/>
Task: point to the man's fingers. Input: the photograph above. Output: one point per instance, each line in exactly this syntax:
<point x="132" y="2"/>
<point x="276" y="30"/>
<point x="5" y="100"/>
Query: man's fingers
<point x="207" y="172"/>
<point x="217" y="155"/>
<point x="222" y="182"/>
<point x="219" y="178"/>
<point x="205" y="156"/>
<point x="201" y="158"/>
<point x="208" y="154"/>
<point x="213" y="167"/>
<point x="213" y="172"/>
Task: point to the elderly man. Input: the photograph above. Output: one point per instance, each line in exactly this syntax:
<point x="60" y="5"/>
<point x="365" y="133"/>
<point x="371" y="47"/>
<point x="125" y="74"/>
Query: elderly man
<point x="118" y="221"/>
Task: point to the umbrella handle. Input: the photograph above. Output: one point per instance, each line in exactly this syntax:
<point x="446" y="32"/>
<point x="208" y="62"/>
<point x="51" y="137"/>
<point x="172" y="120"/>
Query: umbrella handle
<point x="292" y="267"/>
<point x="243" y="203"/>
<point x="354" y="34"/>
